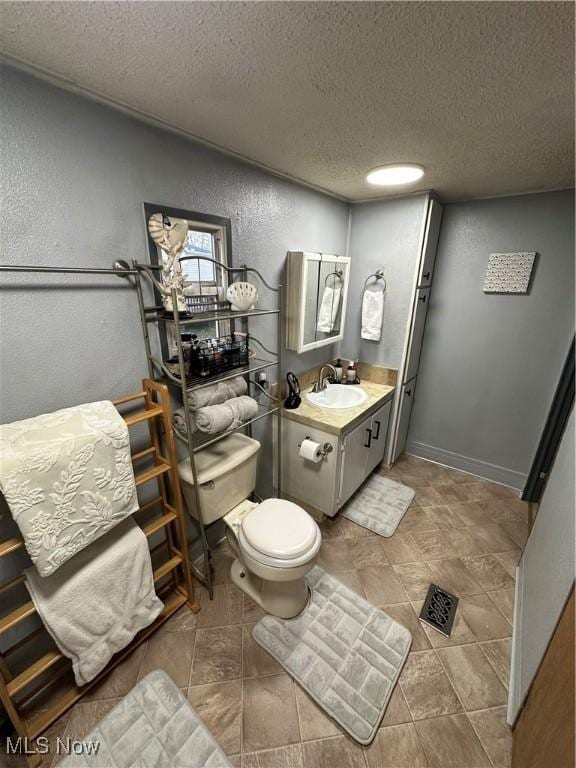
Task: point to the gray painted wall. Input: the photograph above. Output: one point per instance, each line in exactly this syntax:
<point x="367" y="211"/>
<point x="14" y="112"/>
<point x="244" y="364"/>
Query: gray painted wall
<point x="384" y="234"/>
<point x="74" y="177"/>
<point x="490" y="363"/>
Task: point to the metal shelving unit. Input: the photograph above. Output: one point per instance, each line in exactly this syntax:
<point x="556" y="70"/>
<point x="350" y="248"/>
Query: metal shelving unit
<point x="195" y="442"/>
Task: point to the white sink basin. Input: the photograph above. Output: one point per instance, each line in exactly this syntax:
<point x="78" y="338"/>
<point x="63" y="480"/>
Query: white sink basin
<point x="338" y="396"/>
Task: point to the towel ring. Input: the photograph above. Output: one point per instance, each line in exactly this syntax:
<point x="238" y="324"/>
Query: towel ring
<point x="378" y="275"/>
<point x="337" y="273"/>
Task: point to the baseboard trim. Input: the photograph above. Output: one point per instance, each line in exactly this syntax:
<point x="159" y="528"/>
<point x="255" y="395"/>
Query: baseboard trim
<point x="482" y="469"/>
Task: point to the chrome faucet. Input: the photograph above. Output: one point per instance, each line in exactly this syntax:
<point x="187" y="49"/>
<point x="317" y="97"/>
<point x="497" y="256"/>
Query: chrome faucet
<point x="320" y="385"/>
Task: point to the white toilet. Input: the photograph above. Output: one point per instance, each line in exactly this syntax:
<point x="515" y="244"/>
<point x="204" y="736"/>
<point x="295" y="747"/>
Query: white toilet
<point x="276" y="542"/>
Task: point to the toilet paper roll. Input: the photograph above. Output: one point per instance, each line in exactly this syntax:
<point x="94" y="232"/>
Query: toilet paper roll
<point x="311" y="451"/>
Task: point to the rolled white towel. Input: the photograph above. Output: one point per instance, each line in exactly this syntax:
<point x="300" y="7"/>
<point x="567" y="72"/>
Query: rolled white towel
<point x="372" y="313"/>
<point x="179" y="421"/>
<point x="229" y="415"/>
<point x="217" y="393"/>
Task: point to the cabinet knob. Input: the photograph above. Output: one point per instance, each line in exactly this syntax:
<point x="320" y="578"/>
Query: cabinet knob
<point x="408" y="392"/>
<point x="426" y="276"/>
<point x="422" y="298"/>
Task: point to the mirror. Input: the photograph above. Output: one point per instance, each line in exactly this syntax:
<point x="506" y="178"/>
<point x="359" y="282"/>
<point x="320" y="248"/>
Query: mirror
<point x="317" y="294"/>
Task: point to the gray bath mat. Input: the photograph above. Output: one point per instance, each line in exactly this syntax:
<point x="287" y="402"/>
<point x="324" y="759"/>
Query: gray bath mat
<point x="379" y="505"/>
<point x="344" y="652"/>
<point x="153" y="725"/>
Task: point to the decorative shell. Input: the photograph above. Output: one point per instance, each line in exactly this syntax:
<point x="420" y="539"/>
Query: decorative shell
<point x="170" y="234"/>
<point x="242" y="296"/>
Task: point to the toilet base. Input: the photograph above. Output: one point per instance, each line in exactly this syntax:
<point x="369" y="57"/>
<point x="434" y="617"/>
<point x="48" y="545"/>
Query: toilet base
<point x="284" y="599"/>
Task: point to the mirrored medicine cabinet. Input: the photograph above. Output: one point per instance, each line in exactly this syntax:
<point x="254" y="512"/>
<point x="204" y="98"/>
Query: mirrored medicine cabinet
<point x="317" y="292"/>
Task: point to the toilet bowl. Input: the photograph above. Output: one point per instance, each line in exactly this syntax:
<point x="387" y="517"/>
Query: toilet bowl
<point x="276" y="544"/>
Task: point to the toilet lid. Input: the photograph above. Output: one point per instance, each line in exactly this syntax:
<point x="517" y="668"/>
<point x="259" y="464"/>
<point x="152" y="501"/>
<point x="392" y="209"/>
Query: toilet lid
<point x="280" y="529"/>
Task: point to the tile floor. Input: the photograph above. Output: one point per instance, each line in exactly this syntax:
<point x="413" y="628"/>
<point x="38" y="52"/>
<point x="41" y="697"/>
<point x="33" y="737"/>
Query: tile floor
<point x="448" y="709"/>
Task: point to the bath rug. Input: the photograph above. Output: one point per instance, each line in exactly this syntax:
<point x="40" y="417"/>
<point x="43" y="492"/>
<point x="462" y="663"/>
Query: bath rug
<point x="379" y="505"/>
<point x="153" y="725"/>
<point x="344" y="652"/>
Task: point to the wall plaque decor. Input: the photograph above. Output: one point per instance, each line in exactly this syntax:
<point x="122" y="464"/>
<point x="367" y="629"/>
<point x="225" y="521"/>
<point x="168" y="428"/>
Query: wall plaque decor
<point x="509" y="272"/>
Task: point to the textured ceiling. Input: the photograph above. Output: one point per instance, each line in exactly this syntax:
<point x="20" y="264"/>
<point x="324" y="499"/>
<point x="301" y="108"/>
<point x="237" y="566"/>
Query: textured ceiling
<point x="480" y="93"/>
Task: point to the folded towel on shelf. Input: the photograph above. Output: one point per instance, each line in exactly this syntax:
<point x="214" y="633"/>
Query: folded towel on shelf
<point x="179" y="421"/>
<point x="329" y="309"/>
<point x="95" y="604"/>
<point x="229" y="415"/>
<point x="67" y="478"/>
<point x="217" y="393"/>
<point x="372" y="313"/>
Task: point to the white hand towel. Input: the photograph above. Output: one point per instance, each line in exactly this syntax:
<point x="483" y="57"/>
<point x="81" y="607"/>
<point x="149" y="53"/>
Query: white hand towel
<point x="95" y="603"/>
<point x="67" y="477"/>
<point x="372" y="312"/>
<point x="329" y="309"/>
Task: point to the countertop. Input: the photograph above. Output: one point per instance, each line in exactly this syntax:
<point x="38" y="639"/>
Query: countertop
<point x="336" y="420"/>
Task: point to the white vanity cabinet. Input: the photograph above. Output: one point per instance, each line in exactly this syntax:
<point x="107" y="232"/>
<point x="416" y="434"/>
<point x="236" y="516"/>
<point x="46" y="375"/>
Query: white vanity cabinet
<point x="361" y="452"/>
<point x="352" y="455"/>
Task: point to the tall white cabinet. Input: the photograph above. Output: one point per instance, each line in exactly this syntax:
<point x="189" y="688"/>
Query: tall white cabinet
<point x="408" y="372"/>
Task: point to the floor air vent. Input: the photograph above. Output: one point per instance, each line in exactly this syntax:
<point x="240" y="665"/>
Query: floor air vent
<point x="439" y="609"/>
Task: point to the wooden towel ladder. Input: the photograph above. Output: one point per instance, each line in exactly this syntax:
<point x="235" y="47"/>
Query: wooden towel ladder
<point x="163" y="513"/>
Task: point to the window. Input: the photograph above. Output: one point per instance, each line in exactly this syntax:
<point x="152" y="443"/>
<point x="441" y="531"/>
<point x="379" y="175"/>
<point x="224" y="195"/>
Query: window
<point x="200" y="244"/>
<point x="205" y="283"/>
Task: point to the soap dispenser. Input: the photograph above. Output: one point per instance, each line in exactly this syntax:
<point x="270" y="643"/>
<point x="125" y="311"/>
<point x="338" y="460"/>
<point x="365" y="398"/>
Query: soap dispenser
<point x="352" y="373"/>
<point x="338" y="369"/>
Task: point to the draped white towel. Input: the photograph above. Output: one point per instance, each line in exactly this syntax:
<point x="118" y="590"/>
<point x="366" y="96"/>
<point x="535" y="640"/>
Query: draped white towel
<point x="94" y="604"/>
<point x="372" y="312"/>
<point x="67" y="477"/>
<point x="329" y="309"/>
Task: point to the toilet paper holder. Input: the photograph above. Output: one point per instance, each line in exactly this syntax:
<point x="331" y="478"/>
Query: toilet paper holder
<point x="326" y="448"/>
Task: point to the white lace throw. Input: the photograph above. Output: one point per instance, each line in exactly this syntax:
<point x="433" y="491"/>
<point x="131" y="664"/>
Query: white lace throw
<point x="67" y="477"/>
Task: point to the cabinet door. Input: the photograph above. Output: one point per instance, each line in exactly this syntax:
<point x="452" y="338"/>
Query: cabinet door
<point x="420" y="310"/>
<point x="355" y="450"/>
<point x="379" y="430"/>
<point x="430" y="243"/>
<point x="313" y="484"/>
<point x="406" y="402"/>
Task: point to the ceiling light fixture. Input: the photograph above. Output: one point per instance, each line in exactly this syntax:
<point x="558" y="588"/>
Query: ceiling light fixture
<point x="395" y="175"/>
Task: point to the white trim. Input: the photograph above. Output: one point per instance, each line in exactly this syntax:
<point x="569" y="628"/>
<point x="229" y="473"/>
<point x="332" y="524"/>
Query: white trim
<point x="514" y="701"/>
<point x="483" y="469"/>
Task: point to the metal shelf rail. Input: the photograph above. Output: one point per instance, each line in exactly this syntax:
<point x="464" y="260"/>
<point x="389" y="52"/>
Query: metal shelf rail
<point x="194" y="443"/>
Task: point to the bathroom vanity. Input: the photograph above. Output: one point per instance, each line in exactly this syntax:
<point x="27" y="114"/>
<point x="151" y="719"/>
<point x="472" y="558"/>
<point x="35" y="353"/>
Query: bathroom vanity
<point x="353" y="441"/>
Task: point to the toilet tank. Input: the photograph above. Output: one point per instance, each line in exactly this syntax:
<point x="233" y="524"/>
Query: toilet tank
<point x="226" y="476"/>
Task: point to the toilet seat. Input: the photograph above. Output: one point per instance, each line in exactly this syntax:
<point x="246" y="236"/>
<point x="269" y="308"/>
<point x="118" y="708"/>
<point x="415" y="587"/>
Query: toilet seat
<point x="280" y="534"/>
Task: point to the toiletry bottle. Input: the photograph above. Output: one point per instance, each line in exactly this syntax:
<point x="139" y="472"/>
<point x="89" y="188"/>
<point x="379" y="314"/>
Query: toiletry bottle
<point x="351" y="373"/>
<point x="338" y="369"/>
